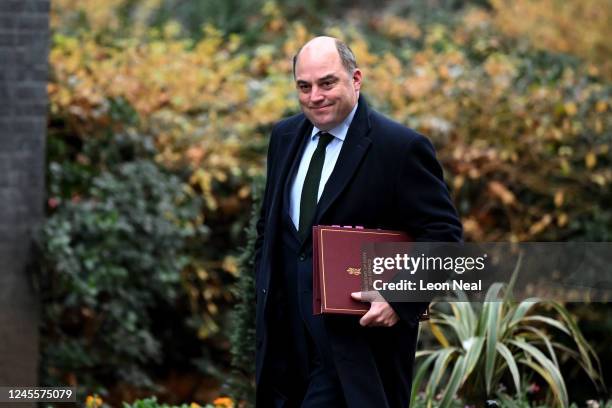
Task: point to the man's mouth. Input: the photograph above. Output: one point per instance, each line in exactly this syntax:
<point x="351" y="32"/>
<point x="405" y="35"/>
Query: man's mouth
<point x="320" y="107"/>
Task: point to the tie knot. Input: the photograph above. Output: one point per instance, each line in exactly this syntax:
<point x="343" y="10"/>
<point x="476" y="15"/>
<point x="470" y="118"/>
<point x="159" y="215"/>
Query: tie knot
<point x="324" y="139"/>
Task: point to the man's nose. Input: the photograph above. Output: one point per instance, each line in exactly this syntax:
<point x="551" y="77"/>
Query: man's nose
<point x="316" y="95"/>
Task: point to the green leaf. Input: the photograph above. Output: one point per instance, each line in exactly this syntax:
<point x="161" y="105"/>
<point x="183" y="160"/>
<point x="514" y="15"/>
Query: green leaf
<point x="523" y="308"/>
<point x="586" y="351"/>
<point x="552" y="374"/>
<point x="454" y="382"/>
<point x="514" y="276"/>
<point x="473" y="353"/>
<point x="464" y="313"/>
<point x="552" y="380"/>
<point x="490" y="298"/>
<point x="540" y="334"/>
<point x="438" y="371"/>
<point x="548" y="321"/>
<point x="507" y="355"/>
<point x="493" y="292"/>
<point x="492" y="311"/>
<point x="418" y="377"/>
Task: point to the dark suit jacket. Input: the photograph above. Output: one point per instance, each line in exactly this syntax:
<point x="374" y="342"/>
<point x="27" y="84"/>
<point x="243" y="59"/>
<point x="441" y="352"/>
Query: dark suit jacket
<point x="386" y="176"/>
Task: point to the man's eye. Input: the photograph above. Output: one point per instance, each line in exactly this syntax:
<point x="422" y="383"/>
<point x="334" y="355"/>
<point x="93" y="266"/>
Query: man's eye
<point x="327" y="84"/>
<point x="304" y="88"/>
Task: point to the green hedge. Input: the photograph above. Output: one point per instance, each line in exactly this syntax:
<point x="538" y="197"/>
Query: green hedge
<point x="113" y="262"/>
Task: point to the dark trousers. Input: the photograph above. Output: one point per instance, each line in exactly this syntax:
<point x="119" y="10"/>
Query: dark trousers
<point x="299" y="377"/>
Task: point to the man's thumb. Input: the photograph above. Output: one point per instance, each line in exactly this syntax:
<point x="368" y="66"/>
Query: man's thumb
<point x="356" y="296"/>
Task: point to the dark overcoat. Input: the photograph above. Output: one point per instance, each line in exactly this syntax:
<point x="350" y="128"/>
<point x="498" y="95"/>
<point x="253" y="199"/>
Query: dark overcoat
<point x="387" y="176"/>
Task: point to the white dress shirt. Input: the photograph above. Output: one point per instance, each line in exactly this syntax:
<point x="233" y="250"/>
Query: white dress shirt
<point x="332" y="152"/>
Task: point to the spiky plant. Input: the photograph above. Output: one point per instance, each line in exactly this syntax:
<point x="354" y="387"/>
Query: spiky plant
<point x="504" y="337"/>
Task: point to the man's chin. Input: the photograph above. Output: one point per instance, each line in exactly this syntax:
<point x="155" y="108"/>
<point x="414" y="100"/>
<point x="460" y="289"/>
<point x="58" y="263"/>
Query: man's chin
<point x="323" y="126"/>
<point x="319" y="124"/>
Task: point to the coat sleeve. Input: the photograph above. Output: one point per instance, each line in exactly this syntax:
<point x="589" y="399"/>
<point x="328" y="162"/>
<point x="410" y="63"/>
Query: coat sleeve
<point x="424" y="208"/>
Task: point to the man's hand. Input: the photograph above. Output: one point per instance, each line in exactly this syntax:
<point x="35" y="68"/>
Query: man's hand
<point x="381" y="314"/>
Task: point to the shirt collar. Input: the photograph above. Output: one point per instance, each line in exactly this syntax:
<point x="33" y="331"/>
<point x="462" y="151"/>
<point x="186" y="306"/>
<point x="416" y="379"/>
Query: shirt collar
<point x="339" y="131"/>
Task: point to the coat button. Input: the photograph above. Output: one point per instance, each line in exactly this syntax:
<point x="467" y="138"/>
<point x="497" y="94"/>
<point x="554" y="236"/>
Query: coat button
<point x="263" y="291"/>
<point x="302" y="257"/>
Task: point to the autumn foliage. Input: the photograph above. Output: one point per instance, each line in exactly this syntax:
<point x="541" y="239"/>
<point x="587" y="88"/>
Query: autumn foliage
<point x="524" y="136"/>
<point x="519" y="110"/>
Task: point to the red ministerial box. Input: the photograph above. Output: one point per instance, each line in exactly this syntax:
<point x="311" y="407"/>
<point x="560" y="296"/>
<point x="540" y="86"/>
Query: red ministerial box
<point x="336" y="268"/>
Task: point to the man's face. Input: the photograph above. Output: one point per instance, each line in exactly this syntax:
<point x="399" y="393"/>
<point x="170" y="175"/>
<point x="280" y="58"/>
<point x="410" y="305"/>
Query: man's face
<point x="327" y="92"/>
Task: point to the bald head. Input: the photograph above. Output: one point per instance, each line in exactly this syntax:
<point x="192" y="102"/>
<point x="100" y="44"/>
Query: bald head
<point x="327" y="80"/>
<point x="330" y="47"/>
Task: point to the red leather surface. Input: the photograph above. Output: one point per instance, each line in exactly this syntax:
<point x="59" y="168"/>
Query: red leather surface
<point x="337" y="266"/>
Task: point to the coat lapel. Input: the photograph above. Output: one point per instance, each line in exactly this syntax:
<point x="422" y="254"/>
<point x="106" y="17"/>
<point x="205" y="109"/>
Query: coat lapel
<point x="354" y="148"/>
<point x="297" y="138"/>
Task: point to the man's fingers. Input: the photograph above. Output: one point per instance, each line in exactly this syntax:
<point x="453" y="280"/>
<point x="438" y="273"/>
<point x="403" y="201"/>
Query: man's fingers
<point x="380" y="314"/>
<point x="367" y="319"/>
<point x="367" y="296"/>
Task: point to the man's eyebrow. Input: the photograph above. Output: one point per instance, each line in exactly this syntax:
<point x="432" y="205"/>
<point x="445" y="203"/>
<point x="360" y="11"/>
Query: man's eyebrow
<point x="327" y="77"/>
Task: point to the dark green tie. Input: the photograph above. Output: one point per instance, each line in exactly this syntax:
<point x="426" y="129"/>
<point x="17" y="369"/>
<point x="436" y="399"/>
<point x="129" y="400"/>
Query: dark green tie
<point x="310" y="190"/>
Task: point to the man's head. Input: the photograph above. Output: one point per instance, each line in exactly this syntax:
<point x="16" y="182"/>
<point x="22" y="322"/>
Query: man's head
<point x="327" y="80"/>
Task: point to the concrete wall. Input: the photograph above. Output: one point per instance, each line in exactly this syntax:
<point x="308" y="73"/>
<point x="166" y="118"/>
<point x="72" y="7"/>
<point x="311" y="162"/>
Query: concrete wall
<point x="24" y="44"/>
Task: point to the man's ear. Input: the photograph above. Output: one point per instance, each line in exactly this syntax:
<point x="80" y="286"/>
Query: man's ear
<point x="357" y="77"/>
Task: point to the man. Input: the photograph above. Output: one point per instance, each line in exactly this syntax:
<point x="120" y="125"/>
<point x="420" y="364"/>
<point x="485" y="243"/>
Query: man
<point x="339" y="163"/>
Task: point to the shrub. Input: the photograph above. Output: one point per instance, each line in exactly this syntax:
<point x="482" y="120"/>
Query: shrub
<point x="523" y="134"/>
<point x="242" y="329"/>
<point x="113" y="262"/>
<point x="152" y="403"/>
<point x="479" y="350"/>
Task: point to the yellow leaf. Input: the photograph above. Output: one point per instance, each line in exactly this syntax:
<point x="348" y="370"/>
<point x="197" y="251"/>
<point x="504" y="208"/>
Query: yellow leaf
<point x="223" y="402"/>
<point x="540" y="225"/>
<point x="559" y="198"/>
<point x="230" y="265"/>
<point x="500" y="191"/>
<point x="244" y="192"/>
<point x="599" y="179"/>
<point x="458" y="182"/>
<point x="474" y="173"/>
<point x="570" y="108"/>
<point x="202" y="273"/>
<point x="590" y="160"/>
<point x="435" y="330"/>
<point x="93" y="401"/>
<point x="601" y="106"/>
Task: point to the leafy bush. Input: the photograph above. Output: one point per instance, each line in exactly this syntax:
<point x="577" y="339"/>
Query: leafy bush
<point x="152" y="403"/>
<point x="242" y="329"/>
<point x="480" y="350"/>
<point x="505" y="401"/>
<point x="545" y="25"/>
<point x="523" y="133"/>
<point x="113" y="263"/>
